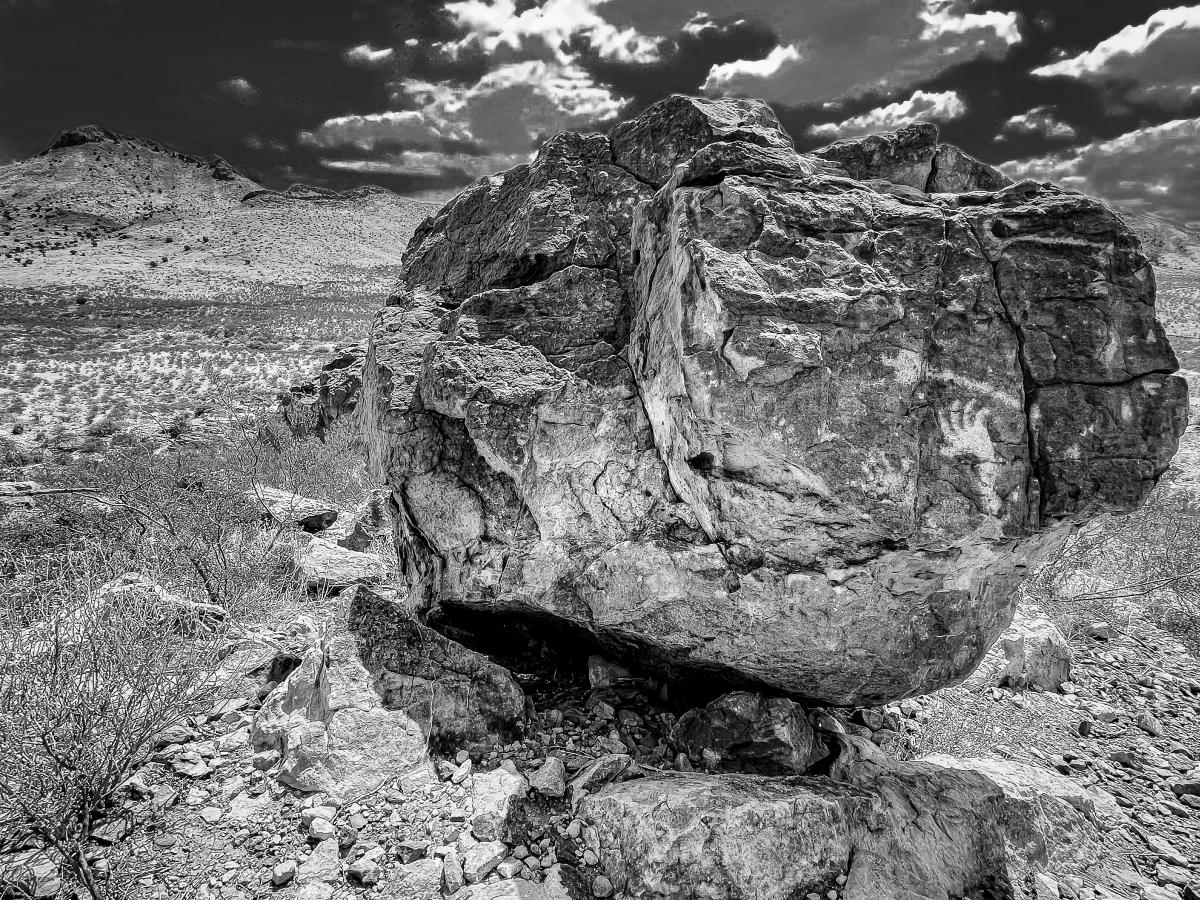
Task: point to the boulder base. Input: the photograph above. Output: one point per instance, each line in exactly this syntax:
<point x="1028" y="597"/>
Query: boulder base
<point x="460" y="697"/>
<point x="750" y="733"/>
<point x="874" y="829"/>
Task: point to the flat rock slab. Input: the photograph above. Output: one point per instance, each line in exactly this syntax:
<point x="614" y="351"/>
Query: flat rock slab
<point x="325" y="566"/>
<point x="882" y="829"/>
<point x="293" y="510"/>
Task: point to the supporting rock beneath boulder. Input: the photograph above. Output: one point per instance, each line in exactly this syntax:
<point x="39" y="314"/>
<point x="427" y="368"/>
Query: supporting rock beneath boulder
<point x="750" y="733"/>
<point x="874" y="829"/>
<point x="912" y="832"/>
<point x="460" y="697"/>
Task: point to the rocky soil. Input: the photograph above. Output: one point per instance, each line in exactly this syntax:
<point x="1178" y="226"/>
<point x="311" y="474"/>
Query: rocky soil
<point x="210" y="817"/>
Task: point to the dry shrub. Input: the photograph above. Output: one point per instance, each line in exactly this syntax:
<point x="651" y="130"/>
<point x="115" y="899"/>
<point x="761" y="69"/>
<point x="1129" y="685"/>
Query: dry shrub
<point x="1145" y="563"/>
<point x="88" y="676"/>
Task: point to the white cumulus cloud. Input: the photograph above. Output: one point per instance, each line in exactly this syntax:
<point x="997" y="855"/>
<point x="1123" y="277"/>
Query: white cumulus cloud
<point x="1157" y="61"/>
<point x="725" y="74"/>
<point x="505" y="112"/>
<point x="833" y="50"/>
<point x="239" y="89"/>
<point x="921" y="106"/>
<point x="1041" y="120"/>
<point x="365" y="54"/>
<point x="430" y="164"/>
<point x="492" y="24"/>
<point x="1154" y="169"/>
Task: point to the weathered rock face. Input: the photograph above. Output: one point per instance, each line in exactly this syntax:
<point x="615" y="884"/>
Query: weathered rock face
<point x="793" y="421"/>
<point x="330" y="731"/>
<point x="315" y="405"/>
<point x="912" y="156"/>
<point x="1051" y="822"/>
<point x="912" y="831"/>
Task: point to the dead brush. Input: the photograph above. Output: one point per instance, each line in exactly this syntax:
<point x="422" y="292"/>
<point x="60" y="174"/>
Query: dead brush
<point x="1145" y="564"/>
<point x="88" y="678"/>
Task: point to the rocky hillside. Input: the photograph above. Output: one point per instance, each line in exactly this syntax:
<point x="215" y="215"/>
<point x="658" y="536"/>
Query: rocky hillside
<point x="137" y="282"/>
<point x="98" y="209"/>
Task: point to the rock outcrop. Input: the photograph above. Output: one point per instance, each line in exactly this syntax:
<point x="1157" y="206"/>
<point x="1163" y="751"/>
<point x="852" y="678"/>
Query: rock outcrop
<point x="793" y="421"/>
<point x="314" y="405"/>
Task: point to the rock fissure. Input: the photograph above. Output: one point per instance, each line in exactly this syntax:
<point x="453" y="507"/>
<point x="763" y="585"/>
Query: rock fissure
<point x="1028" y="389"/>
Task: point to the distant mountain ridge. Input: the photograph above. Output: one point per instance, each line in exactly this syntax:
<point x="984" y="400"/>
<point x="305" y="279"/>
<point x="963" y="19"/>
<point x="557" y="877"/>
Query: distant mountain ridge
<point x="97" y="207"/>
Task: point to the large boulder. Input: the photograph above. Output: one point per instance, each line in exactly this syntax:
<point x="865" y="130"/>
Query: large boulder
<point x="931" y="828"/>
<point x="790" y="421"/>
<point x="460" y="697"/>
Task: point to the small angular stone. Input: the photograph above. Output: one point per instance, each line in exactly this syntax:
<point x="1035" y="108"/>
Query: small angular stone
<point x="283" y="873"/>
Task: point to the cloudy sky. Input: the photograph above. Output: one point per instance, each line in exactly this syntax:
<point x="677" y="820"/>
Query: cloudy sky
<point x="424" y="95"/>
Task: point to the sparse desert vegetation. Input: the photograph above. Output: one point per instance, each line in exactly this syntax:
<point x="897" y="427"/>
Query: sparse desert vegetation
<point x="129" y="577"/>
<point x="70" y="371"/>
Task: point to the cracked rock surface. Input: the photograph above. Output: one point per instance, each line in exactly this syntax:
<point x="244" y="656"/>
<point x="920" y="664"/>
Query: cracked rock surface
<point x="798" y="422"/>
